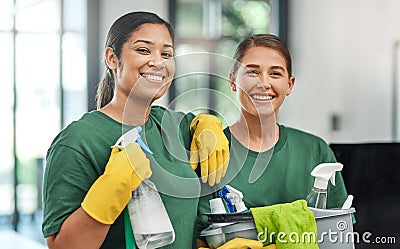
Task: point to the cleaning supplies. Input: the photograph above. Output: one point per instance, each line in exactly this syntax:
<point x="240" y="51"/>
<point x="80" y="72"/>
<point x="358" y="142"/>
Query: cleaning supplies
<point x="322" y="173"/>
<point x="149" y="219"/>
<point x="233" y="199"/>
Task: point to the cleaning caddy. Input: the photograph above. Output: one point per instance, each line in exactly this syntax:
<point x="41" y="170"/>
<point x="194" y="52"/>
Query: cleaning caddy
<point x="319" y="228"/>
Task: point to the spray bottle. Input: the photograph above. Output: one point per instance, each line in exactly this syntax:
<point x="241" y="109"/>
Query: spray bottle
<point x="150" y="223"/>
<point x="322" y="173"/>
<point x="233" y="199"/>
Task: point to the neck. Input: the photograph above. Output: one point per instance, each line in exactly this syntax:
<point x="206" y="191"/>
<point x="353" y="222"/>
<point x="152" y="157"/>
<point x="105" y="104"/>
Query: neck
<point x="128" y="111"/>
<point x="256" y="133"/>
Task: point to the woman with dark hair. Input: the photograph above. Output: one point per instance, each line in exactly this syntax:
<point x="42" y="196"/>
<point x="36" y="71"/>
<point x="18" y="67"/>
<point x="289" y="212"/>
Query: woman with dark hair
<point x="88" y="181"/>
<point x="270" y="163"/>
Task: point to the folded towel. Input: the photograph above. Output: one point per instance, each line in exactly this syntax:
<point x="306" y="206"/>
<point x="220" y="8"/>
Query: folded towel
<point x="289" y="225"/>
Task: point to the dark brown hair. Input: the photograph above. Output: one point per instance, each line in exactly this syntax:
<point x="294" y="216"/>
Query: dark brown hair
<point x="119" y="33"/>
<point x="262" y="40"/>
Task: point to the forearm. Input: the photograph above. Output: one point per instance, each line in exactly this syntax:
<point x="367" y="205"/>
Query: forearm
<point x="201" y="243"/>
<point x="79" y="230"/>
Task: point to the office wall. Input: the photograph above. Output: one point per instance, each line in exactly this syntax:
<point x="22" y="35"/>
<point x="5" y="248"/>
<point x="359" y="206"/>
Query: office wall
<point x="343" y="59"/>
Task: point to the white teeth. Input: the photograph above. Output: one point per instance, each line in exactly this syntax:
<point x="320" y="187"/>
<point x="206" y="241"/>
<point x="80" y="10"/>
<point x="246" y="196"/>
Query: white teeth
<point x="261" y="97"/>
<point x="153" y="77"/>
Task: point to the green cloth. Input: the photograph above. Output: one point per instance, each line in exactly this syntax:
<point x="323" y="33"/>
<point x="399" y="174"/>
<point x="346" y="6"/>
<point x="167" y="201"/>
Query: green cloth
<point x="78" y="155"/>
<point x="289" y="225"/>
<point x="286" y="177"/>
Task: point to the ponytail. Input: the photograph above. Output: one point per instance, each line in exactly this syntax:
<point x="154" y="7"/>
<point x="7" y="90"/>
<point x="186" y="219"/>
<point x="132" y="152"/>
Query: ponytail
<point x="105" y="90"/>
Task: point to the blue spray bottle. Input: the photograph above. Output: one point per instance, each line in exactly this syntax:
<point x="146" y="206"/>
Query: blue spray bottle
<point x="233" y="199"/>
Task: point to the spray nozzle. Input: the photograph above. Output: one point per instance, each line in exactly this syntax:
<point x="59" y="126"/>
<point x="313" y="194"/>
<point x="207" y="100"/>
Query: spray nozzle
<point x="233" y="199"/>
<point x="133" y="136"/>
<point x="325" y="172"/>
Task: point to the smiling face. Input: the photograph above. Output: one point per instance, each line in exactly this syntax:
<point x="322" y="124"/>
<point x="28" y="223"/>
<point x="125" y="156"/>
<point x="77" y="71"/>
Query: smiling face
<point x="262" y="81"/>
<point x="146" y="66"/>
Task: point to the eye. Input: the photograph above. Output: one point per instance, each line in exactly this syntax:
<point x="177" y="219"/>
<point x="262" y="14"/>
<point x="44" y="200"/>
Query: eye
<point x="143" y="50"/>
<point x="252" y="72"/>
<point x="277" y="74"/>
<point x="167" y="55"/>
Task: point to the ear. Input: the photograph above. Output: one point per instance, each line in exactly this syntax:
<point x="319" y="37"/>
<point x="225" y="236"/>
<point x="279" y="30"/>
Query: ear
<point x="232" y="81"/>
<point x="111" y="58"/>
<point x="290" y="85"/>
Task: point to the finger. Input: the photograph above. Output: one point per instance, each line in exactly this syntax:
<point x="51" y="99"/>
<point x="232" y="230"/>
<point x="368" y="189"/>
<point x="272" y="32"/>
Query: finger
<point x="212" y="167"/>
<point x="225" y="155"/>
<point x="204" y="164"/>
<point x="148" y="174"/>
<point x="194" y="160"/>
<point x="194" y="155"/>
<point x="220" y="167"/>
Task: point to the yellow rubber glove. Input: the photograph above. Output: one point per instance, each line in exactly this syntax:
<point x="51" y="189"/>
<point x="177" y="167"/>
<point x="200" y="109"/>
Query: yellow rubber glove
<point x="111" y="192"/>
<point x="210" y="147"/>
<point x="240" y="243"/>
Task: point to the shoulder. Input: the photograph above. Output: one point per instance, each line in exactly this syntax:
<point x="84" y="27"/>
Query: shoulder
<point x="160" y="110"/>
<point x="306" y="141"/>
<point x="161" y="115"/>
<point x="93" y="129"/>
<point x="293" y="133"/>
<point x="85" y="127"/>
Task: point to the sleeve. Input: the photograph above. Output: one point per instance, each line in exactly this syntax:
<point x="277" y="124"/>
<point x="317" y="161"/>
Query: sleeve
<point x="67" y="178"/>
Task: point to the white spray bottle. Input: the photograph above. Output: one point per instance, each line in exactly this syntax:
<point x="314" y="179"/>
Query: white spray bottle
<point x="150" y="222"/>
<point x="322" y="173"/>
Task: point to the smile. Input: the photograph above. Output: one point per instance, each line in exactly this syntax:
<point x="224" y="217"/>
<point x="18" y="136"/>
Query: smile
<point x="152" y="77"/>
<point x="261" y="97"/>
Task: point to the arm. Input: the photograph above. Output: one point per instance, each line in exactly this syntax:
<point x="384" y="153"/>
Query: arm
<point x="88" y="226"/>
<point x="79" y="230"/>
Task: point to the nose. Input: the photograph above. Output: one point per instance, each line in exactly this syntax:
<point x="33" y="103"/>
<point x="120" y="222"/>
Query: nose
<point x="156" y="61"/>
<point x="264" y="82"/>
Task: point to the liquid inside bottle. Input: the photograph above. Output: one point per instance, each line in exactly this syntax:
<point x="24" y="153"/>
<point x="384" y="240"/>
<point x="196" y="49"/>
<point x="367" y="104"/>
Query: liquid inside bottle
<point x="317" y="198"/>
<point x="149" y="219"/>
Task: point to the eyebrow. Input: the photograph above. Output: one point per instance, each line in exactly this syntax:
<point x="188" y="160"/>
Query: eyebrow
<point x="257" y="66"/>
<point x="152" y="43"/>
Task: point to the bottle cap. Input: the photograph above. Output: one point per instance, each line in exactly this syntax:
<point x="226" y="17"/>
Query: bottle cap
<point x="325" y="172"/>
<point x="217" y="206"/>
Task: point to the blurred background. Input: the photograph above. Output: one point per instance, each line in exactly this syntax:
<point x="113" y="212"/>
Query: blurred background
<point x="346" y="59"/>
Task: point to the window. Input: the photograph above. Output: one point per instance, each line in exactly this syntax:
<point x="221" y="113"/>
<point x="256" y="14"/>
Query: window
<point x="207" y="33"/>
<point x="43" y="89"/>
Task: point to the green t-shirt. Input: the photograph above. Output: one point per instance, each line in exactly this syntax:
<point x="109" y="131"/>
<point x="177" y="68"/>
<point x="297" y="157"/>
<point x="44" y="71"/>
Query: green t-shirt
<point x="79" y="154"/>
<point x="280" y="175"/>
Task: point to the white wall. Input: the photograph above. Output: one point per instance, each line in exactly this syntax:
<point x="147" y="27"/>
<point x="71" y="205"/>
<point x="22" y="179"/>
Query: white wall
<point x="343" y="60"/>
<point x="111" y="10"/>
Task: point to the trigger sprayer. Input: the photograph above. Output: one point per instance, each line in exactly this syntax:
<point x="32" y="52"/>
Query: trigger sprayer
<point x="149" y="219"/>
<point x="233" y="199"/>
<point x="133" y="136"/>
<point x="322" y="173"/>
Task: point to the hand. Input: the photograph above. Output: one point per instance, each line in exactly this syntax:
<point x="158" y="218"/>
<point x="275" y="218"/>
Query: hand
<point x="239" y="243"/>
<point x="111" y="192"/>
<point x="210" y="147"/>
